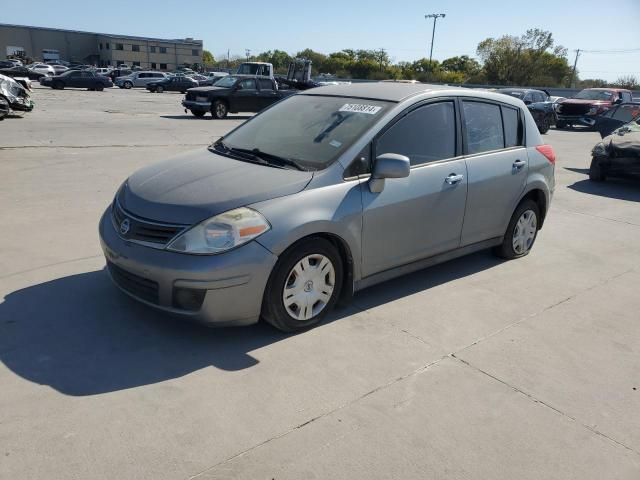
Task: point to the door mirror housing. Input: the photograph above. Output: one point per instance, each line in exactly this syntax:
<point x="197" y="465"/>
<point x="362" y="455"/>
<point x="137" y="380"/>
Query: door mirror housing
<point x="388" y="165"/>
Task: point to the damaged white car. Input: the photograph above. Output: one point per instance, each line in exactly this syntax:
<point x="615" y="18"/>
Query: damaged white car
<point x="13" y="97"/>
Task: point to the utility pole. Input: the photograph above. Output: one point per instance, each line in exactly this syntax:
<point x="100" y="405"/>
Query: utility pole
<point x="575" y="64"/>
<point x="435" y="17"/>
<point x="228" y="57"/>
<point x="381" y="57"/>
<point x="248" y="52"/>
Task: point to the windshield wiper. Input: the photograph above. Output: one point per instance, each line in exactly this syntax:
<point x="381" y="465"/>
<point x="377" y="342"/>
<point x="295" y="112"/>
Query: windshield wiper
<point x="241" y="154"/>
<point x="260" y="157"/>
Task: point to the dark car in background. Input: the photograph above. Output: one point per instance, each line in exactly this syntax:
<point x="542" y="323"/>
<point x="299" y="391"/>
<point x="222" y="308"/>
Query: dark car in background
<point x="78" y="79"/>
<point x="174" y="83"/>
<point x="583" y="108"/>
<point x="21" y="72"/>
<point x="539" y="104"/>
<point x="234" y="93"/>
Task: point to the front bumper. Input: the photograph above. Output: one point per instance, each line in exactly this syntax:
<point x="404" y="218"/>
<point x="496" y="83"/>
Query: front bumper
<point x="233" y="282"/>
<point x="197" y="106"/>
<point x="586" y="120"/>
<point x="22" y="107"/>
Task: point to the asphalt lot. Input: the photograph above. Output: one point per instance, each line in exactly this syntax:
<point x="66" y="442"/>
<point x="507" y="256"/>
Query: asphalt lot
<point x="474" y="369"/>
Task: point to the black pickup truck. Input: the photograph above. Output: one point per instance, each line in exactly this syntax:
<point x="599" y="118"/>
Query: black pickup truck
<point x="234" y="93"/>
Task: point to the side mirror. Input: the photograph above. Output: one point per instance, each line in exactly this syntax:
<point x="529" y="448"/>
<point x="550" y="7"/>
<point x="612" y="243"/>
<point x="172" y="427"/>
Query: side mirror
<point x="388" y="165"/>
<point x="527" y="102"/>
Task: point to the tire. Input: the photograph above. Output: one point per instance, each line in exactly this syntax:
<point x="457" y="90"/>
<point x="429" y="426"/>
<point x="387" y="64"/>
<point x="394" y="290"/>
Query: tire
<point x="219" y="109"/>
<point x="159" y="89"/>
<point x="546" y="125"/>
<point x="560" y="125"/>
<point x="127" y="85"/>
<point x="314" y="297"/>
<point x="522" y="226"/>
<point x="99" y="87"/>
<point x="198" y="113"/>
<point x="58" y="85"/>
<point x="183" y="92"/>
<point x="596" y="172"/>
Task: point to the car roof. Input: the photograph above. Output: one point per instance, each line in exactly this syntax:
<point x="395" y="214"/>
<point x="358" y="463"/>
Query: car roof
<point x="393" y="92"/>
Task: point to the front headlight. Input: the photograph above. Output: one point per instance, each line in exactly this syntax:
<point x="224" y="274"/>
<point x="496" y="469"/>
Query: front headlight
<point x="221" y="233"/>
<point x="600" y="149"/>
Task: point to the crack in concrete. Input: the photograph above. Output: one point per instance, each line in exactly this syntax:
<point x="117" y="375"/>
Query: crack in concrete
<point x="35" y="269"/>
<point x="599" y="217"/>
<point x="542" y="402"/>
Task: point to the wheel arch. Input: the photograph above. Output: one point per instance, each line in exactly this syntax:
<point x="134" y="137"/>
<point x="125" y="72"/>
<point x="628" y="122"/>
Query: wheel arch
<point x="540" y="198"/>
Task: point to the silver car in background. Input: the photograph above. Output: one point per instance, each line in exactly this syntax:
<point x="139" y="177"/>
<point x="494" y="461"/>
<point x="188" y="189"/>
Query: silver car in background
<point x="138" y="79"/>
<point x="325" y="193"/>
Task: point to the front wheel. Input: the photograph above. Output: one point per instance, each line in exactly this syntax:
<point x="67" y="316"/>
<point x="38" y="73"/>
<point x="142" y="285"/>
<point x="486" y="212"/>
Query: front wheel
<point x="521" y="232"/>
<point x="219" y="110"/>
<point x="545" y="126"/>
<point x="304" y="286"/>
<point x="98" y="87"/>
<point x="58" y="85"/>
<point x="198" y="113"/>
<point x="127" y="85"/>
<point x="159" y="89"/>
<point x="596" y="171"/>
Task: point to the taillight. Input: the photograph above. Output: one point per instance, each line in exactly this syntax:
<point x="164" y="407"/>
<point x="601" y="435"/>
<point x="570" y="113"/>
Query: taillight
<point x="547" y="151"/>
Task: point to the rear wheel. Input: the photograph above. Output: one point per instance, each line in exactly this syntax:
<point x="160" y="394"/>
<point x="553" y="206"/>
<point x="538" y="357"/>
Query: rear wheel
<point x="58" y="85"/>
<point x="127" y="85"/>
<point x="98" y="87"/>
<point x="521" y="232"/>
<point x="596" y="172"/>
<point x="219" y="110"/>
<point x="159" y="89"/>
<point x="304" y="286"/>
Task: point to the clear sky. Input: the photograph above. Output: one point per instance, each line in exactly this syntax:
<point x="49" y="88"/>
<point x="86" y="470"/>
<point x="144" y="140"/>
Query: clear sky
<point x="330" y="25"/>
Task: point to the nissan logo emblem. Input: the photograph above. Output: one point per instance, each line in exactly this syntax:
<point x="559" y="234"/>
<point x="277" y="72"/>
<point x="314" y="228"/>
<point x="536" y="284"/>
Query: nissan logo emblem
<point x="125" y="226"/>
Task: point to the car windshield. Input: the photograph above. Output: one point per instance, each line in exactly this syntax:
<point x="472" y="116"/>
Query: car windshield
<point x="310" y="130"/>
<point x="594" y="95"/>
<point x="226" y="82"/>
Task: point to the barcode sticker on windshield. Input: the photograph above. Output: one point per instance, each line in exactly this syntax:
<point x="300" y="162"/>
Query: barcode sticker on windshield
<point x="360" y="108"/>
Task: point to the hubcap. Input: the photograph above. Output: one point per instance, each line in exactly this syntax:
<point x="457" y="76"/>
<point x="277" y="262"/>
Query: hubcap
<point x="221" y="110"/>
<point x="525" y="232"/>
<point x="309" y="287"/>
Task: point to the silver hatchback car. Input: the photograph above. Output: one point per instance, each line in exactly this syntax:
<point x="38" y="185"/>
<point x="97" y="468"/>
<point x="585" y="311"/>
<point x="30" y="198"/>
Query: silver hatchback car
<point x="325" y="193"/>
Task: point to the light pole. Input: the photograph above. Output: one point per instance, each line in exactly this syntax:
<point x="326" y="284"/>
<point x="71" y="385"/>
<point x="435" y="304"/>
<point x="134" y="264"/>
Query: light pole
<point x="435" y="17"/>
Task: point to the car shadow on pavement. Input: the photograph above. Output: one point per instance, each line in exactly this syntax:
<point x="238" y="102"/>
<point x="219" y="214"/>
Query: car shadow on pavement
<point x="81" y="336"/>
<point x="618" y="188"/>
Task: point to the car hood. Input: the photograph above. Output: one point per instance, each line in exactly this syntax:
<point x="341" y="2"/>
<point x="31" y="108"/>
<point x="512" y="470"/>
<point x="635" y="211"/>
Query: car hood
<point x="208" y="89"/>
<point x="199" y="184"/>
<point x="580" y="101"/>
<point x="625" y="141"/>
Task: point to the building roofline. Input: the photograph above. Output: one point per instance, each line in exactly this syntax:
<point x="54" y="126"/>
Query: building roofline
<point x="110" y="35"/>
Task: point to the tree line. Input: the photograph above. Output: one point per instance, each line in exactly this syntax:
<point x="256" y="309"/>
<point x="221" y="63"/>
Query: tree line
<point x="531" y="59"/>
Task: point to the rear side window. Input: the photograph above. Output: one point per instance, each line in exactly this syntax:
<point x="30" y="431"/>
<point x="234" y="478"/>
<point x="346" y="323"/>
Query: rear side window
<point x="483" y="125"/>
<point x="512" y="127"/>
<point x="425" y="135"/>
<point x="248" y="84"/>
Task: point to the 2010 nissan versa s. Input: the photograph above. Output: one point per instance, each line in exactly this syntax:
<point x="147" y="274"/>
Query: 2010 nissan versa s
<point x="326" y="193"/>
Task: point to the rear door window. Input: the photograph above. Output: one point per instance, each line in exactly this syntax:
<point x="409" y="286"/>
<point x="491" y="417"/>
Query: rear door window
<point x="483" y="126"/>
<point x="247" y="84"/>
<point x="425" y="135"/>
<point x="625" y="113"/>
<point x="512" y="127"/>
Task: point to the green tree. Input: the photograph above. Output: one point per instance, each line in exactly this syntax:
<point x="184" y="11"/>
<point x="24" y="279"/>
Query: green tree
<point x="463" y="64"/>
<point x="626" y="81"/>
<point x="207" y="57"/>
<point x="526" y="60"/>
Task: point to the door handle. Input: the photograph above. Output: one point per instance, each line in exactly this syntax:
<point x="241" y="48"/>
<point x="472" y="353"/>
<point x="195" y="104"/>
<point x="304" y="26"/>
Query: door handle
<point x="518" y="164"/>
<point x="453" y="179"/>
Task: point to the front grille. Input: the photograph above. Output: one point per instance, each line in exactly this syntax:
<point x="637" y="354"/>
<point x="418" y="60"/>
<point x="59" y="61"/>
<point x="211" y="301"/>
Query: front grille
<point x="143" y="230"/>
<point x="573" y="109"/>
<point x="137" y="286"/>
